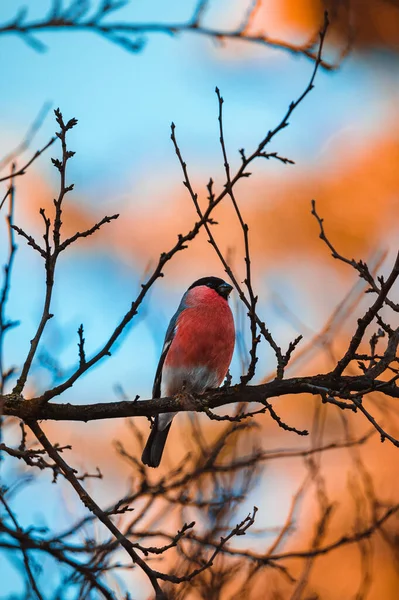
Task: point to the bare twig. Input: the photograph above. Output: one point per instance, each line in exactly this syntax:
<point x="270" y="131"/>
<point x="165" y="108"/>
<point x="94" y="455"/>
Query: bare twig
<point x="5" y="324"/>
<point x="28" y="139"/>
<point x="132" y="36"/>
<point x="22" y="170"/>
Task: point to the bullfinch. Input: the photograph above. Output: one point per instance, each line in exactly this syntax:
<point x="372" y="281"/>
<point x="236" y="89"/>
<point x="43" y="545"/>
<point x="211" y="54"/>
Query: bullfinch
<point x="196" y="354"/>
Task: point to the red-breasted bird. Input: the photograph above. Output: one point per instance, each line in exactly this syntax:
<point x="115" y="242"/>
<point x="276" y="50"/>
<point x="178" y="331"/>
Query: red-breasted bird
<point x="196" y="354"/>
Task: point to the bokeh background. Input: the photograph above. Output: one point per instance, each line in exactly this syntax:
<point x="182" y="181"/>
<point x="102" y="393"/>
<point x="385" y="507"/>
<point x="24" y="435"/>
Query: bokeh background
<point x="344" y="140"/>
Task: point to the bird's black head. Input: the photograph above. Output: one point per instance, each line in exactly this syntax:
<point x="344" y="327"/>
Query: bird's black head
<point x="215" y="283"/>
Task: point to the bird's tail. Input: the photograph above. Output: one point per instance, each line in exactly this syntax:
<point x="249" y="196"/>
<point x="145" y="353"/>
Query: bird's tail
<point x="153" y="450"/>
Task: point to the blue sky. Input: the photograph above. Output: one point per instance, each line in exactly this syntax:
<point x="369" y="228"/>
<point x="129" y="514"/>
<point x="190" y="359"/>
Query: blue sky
<point x="125" y="103"/>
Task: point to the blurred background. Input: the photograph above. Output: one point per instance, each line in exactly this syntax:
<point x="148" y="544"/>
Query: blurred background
<point x="344" y="139"/>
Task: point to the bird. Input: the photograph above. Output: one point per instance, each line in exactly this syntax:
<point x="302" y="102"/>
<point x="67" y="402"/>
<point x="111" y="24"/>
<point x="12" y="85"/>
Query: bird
<point x="196" y="355"/>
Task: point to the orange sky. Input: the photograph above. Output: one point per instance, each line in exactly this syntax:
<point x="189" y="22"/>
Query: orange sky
<point x="357" y="194"/>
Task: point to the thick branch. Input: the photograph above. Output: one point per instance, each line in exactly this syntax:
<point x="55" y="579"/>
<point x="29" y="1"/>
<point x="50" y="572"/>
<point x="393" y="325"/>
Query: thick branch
<point x="330" y="385"/>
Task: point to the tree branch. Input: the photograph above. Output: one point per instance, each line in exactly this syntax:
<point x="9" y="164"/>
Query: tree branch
<point x="79" y="16"/>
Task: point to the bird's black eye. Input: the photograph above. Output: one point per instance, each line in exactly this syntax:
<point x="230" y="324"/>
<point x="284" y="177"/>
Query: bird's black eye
<point x="224" y="289"/>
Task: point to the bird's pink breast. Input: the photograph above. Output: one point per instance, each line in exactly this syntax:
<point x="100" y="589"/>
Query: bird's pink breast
<point x="205" y="335"/>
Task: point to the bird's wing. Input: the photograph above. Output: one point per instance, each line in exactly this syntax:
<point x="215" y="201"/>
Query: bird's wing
<point x="170" y="334"/>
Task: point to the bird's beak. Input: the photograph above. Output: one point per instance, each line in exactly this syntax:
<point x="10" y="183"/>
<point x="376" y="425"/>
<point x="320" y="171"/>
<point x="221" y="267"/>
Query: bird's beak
<point x="224" y="289"/>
